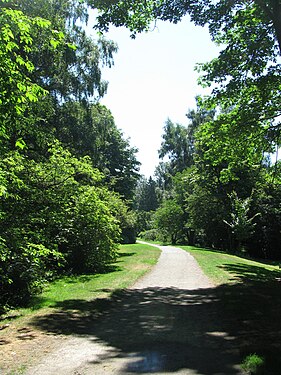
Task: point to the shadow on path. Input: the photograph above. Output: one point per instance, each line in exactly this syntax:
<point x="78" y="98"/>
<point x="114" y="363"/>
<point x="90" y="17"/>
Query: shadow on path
<point x="207" y="331"/>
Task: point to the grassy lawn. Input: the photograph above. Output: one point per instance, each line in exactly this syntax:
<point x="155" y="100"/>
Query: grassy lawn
<point x="223" y="268"/>
<point x="133" y="262"/>
<point x="248" y="296"/>
<point x="66" y="301"/>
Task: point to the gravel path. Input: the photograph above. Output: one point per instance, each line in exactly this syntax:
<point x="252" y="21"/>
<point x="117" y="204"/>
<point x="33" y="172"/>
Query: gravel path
<point x="175" y="268"/>
<point x="168" y="322"/>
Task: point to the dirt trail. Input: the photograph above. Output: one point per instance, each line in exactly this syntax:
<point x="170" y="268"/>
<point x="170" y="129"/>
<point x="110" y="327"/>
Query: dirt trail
<point x="168" y="322"/>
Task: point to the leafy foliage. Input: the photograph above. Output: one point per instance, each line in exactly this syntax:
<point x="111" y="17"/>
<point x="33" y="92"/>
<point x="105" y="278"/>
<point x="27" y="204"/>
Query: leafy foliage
<point x="65" y="169"/>
<point x="16" y="42"/>
<point x="89" y="129"/>
<point x="146" y="195"/>
<point x="169" y="220"/>
<point x="55" y="210"/>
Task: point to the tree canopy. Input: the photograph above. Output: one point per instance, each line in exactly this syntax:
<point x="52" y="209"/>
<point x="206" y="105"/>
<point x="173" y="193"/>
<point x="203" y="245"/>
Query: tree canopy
<point x="246" y="74"/>
<point x="67" y="174"/>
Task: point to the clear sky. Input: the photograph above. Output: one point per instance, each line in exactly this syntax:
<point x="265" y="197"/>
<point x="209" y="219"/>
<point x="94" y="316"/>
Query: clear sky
<point x="153" y="79"/>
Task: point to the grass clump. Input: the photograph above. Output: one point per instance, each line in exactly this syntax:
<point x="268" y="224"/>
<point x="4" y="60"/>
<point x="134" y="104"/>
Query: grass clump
<point x="253" y="364"/>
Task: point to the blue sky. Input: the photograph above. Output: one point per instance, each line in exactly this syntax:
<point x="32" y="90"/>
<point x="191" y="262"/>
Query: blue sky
<point x="153" y="78"/>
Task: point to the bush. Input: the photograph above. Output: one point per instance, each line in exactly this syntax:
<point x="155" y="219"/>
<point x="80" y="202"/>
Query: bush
<point x="169" y="220"/>
<point x="53" y="210"/>
<point x="91" y="233"/>
<point x="23" y="272"/>
<point x="150" y="235"/>
<point x="253" y="364"/>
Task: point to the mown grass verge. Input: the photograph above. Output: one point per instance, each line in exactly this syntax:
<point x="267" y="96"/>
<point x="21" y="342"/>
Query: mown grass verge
<point x="133" y="262"/>
<point x="224" y="268"/>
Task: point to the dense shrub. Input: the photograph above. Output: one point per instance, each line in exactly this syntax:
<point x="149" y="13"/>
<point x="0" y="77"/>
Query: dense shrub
<point x="55" y="216"/>
<point x="151" y="235"/>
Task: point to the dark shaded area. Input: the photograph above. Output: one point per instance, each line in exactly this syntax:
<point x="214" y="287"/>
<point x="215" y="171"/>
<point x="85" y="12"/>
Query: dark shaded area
<point x="9" y="317"/>
<point x="122" y="255"/>
<point x="168" y="329"/>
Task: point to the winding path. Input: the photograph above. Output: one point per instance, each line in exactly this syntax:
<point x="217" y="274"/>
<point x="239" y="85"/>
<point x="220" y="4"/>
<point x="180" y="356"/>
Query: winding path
<point x="168" y="322"/>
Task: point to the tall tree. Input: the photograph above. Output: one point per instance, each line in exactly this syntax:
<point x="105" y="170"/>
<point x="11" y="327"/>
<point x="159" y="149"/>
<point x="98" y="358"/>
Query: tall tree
<point x="89" y="129"/>
<point x="17" y="42"/>
<point x="179" y="140"/>
<point x="76" y="70"/>
<point x="175" y="145"/>
<point x="146" y="196"/>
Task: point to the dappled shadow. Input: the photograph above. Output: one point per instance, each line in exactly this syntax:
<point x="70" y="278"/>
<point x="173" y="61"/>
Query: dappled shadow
<point x="167" y="329"/>
<point x="160" y="328"/>
<point x="10" y="316"/>
<point x="252" y="274"/>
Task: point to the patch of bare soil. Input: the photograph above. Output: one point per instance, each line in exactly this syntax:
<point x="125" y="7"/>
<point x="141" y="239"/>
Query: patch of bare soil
<point x="24" y="344"/>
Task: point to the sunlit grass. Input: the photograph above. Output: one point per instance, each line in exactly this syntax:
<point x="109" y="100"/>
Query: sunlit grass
<point x="133" y="262"/>
<point x="215" y="264"/>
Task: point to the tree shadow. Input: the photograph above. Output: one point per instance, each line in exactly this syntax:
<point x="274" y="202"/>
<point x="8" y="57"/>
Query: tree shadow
<point x="10" y="316"/>
<point x="124" y="255"/>
<point x="234" y="253"/>
<point x="250" y="274"/>
<point x="206" y="330"/>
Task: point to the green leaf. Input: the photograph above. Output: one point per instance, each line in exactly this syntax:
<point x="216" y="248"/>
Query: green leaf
<point x="20" y="143"/>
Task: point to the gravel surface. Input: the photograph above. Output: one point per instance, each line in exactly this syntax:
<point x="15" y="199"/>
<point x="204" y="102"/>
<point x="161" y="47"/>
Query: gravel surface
<point x="168" y="322"/>
<point x="175" y="268"/>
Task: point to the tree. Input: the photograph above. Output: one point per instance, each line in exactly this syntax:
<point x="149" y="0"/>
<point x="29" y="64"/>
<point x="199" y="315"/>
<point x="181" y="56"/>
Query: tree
<point x="179" y="140"/>
<point x="17" y="89"/>
<point x="175" y="145"/>
<point x="240" y="224"/>
<point x="75" y="69"/>
<point x="89" y="129"/>
<point x="246" y="74"/>
<point x="168" y="219"/>
<point x="49" y="56"/>
<point x="145" y="195"/>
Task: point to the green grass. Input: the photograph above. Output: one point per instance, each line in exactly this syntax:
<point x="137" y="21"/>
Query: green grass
<point x="247" y="294"/>
<point x="69" y="297"/>
<point x="224" y="268"/>
<point x="253" y="364"/>
<point x="133" y="261"/>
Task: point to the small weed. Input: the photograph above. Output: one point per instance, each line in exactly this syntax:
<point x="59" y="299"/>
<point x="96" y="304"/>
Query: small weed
<point x="253" y="364"/>
<point x="19" y="371"/>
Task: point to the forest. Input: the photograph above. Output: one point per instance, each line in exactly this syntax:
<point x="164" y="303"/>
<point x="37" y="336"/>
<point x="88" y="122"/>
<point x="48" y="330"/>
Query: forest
<point x="70" y="188"/>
